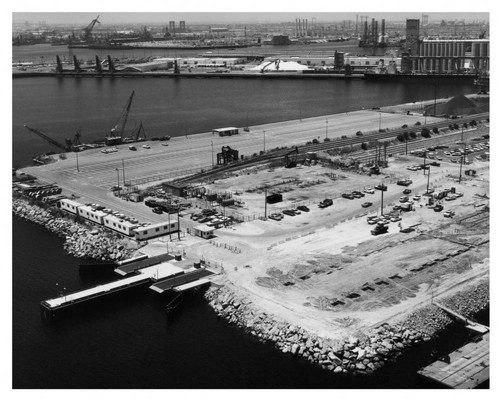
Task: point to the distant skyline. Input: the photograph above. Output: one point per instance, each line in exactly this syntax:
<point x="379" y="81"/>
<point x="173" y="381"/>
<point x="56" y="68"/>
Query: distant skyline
<point x="106" y="18"/>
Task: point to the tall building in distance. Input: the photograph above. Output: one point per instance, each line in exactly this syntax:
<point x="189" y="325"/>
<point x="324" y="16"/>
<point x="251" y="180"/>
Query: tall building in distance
<point x="412" y="36"/>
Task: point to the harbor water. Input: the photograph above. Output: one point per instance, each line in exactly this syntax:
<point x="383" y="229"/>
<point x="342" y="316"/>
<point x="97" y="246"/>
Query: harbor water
<point x="131" y="342"/>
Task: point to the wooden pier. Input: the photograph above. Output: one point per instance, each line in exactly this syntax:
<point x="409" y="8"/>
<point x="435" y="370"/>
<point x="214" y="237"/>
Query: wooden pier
<point x="164" y="276"/>
<point x="465" y="368"/>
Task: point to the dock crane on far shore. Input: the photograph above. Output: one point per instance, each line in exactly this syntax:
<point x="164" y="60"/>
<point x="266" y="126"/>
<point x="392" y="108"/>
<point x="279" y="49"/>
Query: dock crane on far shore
<point x="71" y="145"/>
<point x="116" y="134"/>
<point x="87" y="31"/>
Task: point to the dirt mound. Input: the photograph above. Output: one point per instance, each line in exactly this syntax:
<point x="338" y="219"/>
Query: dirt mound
<point x="458" y="105"/>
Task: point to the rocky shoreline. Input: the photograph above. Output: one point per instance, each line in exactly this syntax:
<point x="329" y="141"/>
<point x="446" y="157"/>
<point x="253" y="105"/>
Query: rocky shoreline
<point x="364" y="354"/>
<point x="82" y="240"/>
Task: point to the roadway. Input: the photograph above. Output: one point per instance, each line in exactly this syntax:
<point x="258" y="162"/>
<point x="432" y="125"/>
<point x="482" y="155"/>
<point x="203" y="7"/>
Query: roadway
<point x="98" y="172"/>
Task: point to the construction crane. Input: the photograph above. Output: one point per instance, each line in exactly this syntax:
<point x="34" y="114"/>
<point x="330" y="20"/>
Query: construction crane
<point x="116" y="133"/>
<point x="49" y="139"/>
<point x="88" y="30"/>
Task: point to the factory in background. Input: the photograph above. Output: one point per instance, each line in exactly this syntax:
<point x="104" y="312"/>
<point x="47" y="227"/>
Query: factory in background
<point x="443" y="55"/>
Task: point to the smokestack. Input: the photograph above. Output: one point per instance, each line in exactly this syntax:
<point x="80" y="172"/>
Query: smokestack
<point x="365" y="34"/>
<point x="376" y="33"/>
<point x="383" y="31"/>
<point x="373" y="30"/>
<point x="304" y="31"/>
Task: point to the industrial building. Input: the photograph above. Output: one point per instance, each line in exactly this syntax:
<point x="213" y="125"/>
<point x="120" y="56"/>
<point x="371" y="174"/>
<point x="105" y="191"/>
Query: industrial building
<point x="336" y="61"/>
<point x="448" y="56"/>
<point x="443" y="55"/>
<point x="168" y="63"/>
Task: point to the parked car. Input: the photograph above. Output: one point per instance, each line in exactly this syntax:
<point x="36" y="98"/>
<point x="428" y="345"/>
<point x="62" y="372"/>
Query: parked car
<point x="132" y="148"/>
<point x="289" y="212"/>
<point x="358" y="194"/>
<point x="276" y="216"/>
<point x="348" y="196"/>
<point x="438" y="208"/>
<point x="407" y="191"/>
<point x="325" y="203"/>
<point x="373" y="221"/>
<point x="157" y="210"/>
<point x="449" y="214"/>
<point x="303" y="208"/>
<point x="146" y="146"/>
<point x="404" y="198"/>
<point x="381" y="187"/>
<point x="366" y="204"/>
<point x="369" y="191"/>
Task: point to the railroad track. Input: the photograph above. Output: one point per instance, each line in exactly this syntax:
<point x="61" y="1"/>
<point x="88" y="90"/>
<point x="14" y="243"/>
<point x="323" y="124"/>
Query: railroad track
<point x="334" y="144"/>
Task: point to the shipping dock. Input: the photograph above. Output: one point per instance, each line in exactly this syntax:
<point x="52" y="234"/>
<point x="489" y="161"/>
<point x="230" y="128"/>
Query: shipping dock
<point x="163" y="271"/>
<point x="465" y="368"/>
<point x="468" y="366"/>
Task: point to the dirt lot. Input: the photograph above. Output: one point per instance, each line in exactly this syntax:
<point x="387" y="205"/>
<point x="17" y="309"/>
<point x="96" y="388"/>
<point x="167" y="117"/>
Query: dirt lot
<point x="324" y="270"/>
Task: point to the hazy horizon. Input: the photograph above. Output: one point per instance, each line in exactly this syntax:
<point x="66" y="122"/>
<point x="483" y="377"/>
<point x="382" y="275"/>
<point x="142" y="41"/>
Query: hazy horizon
<point x="69" y="18"/>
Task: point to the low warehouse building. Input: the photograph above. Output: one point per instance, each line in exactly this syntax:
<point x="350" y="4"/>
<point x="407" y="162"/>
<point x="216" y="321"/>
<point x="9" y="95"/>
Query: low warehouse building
<point x="156" y="230"/>
<point x="203" y="231"/>
<point x="91" y="214"/>
<point x="70" y="206"/>
<point x="121" y="226"/>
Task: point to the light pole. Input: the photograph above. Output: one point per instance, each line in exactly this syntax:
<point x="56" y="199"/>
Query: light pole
<point x="77" y="167"/>
<point x="428" y="179"/>
<point x="264" y="141"/>
<point x="326" y="128"/>
<point x="123" y="169"/>
<point x="118" y="179"/>
<point x="212" y="153"/>
<point x="461" y="163"/>
<point x="379" y="121"/>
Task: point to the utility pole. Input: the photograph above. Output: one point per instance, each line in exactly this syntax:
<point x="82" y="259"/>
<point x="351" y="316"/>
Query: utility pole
<point x="264" y="141"/>
<point x="428" y="179"/>
<point x="425" y="157"/>
<point x="118" y="180"/>
<point x="178" y="226"/>
<point x="435" y="95"/>
<point x="326" y="128"/>
<point x="77" y="167"/>
<point x="123" y="169"/>
<point x="461" y="163"/>
<point x="212" y="153"/>
<point x="382" y="203"/>
<point x="265" y="204"/>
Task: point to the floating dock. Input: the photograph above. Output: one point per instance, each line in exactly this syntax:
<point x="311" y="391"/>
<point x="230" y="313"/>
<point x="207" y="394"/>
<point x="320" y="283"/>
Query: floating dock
<point x="465" y="368"/>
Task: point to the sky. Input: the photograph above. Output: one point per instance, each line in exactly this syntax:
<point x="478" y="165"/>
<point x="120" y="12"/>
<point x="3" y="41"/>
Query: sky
<point x="227" y="17"/>
<point x="227" y="11"/>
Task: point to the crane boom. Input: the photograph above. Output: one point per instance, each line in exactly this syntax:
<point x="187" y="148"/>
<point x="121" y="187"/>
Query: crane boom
<point x="122" y="120"/>
<point x="88" y="29"/>
<point x="47" y="138"/>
